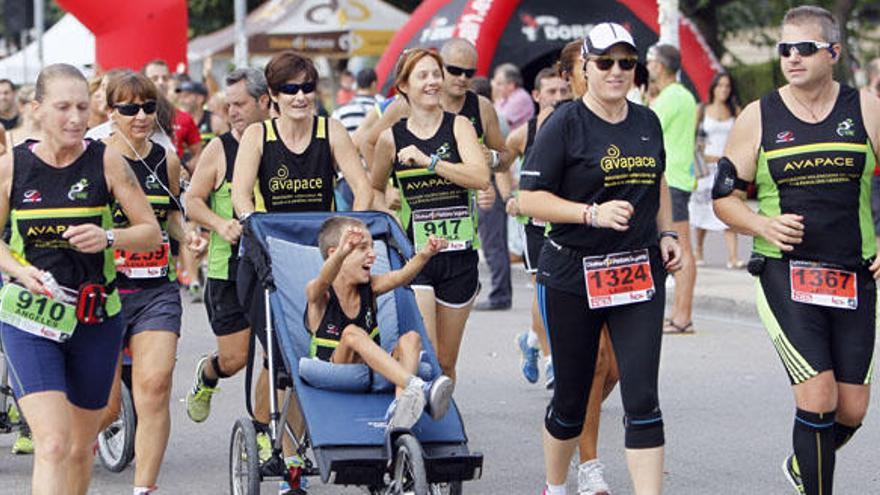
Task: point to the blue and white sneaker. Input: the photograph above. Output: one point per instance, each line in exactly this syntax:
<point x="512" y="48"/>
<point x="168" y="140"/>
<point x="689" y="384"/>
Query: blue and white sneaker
<point x="529" y="362"/>
<point x="408" y="407"/>
<point x="549" y="376"/>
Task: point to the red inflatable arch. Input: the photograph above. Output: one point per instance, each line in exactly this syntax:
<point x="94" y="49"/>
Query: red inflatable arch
<point x="129" y="33"/>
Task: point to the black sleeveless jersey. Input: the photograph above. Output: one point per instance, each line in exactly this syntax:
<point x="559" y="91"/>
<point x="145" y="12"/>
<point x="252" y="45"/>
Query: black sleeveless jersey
<point x="326" y="338"/>
<point x="296" y="182"/>
<point x="471" y="110"/>
<point x="822" y="171"/>
<point x="222" y="256"/>
<point x="152" y="176"/>
<point x="44" y="201"/>
<point x="421" y="189"/>
<point x="530" y="133"/>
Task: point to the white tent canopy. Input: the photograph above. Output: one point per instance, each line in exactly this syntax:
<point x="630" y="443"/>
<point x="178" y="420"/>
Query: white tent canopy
<point x="66" y="41"/>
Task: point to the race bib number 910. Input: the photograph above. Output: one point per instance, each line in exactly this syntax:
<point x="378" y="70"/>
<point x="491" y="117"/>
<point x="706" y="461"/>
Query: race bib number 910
<point x="455" y="224"/>
<point x="37" y="314"/>
<point x="823" y="285"/>
<point x="618" y="278"/>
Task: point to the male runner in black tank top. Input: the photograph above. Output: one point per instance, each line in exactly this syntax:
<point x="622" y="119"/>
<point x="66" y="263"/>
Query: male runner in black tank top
<point x="550" y="89"/>
<point x="811" y="147"/>
<point x="345" y="287"/>
<point x="247" y="98"/>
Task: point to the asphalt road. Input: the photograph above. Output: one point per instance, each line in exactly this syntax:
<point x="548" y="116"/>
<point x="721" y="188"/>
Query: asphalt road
<point x="726" y="402"/>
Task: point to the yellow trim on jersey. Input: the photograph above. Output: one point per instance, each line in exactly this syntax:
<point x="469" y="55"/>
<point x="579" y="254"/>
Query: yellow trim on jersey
<point x="59" y="212"/>
<point x="162" y="200"/>
<point x="321" y="131"/>
<point x="270" y="130"/>
<point x="809" y="148"/>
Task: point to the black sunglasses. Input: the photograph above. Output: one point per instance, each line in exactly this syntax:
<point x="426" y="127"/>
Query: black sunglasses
<point x="132" y="109"/>
<point x="456" y="71"/>
<point x="625" y="63"/>
<point x="293" y="88"/>
<point x="804" y="48"/>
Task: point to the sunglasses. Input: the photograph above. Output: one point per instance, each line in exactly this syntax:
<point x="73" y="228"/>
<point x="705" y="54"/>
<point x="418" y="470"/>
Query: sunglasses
<point x="132" y="109"/>
<point x="293" y="88"/>
<point x="456" y="71"/>
<point x="804" y="48"/>
<point x="625" y="63"/>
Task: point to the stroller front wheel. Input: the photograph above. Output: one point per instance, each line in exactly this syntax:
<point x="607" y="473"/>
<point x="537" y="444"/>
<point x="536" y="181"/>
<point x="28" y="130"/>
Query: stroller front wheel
<point x="409" y="467"/>
<point x="244" y="459"/>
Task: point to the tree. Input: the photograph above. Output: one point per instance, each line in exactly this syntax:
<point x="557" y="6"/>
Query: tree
<point x="207" y="16"/>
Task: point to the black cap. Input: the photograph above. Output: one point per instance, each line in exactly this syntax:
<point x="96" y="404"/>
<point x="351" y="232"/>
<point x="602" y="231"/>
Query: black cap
<point x="192" y="87"/>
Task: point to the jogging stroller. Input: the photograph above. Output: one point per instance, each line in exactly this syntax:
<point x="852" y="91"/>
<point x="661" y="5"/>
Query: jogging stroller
<point x="346" y="441"/>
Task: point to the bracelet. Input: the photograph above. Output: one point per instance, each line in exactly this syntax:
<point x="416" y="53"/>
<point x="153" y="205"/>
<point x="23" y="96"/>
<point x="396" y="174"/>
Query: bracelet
<point x="668" y="233"/>
<point x="435" y="158"/>
<point x="594" y="216"/>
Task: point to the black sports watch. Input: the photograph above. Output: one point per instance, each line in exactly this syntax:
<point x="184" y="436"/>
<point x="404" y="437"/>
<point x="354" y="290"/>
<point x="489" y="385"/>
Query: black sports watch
<point x="668" y="233"/>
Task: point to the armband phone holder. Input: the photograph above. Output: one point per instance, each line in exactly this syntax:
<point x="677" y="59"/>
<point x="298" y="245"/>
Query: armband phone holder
<point x="90" y="303"/>
<point x="756" y="264"/>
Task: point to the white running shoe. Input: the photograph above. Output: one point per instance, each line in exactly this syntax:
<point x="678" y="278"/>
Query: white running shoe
<point x="591" y="480"/>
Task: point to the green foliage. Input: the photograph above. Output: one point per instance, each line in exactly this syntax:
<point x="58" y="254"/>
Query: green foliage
<point x="207" y="16"/>
<point x="754" y="81"/>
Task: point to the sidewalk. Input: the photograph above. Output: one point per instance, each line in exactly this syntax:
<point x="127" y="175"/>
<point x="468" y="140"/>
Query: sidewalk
<point x="723" y="292"/>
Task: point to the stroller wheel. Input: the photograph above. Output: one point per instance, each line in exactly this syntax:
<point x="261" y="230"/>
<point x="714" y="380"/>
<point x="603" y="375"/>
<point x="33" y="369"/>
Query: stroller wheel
<point x="116" y="442"/>
<point x="244" y="459"/>
<point x="409" y="468"/>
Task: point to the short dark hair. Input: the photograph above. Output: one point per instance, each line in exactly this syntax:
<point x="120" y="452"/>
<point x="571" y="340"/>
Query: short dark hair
<point x="254" y="81"/>
<point x="366" y="78"/>
<point x="667" y="55"/>
<point x="10" y="83"/>
<point x="331" y="232"/>
<point x="813" y="13"/>
<point x="545" y="73"/>
<point x="288" y="65"/>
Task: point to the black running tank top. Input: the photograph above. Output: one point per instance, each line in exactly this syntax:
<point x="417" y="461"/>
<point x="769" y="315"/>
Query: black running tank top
<point x="471" y="110"/>
<point x="822" y="171"/>
<point x="296" y="182"/>
<point x="326" y="338"/>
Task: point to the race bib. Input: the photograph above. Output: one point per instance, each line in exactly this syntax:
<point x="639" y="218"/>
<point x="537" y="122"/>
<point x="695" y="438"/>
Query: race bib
<point x="37" y="314"/>
<point x="823" y="285"/>
<point x="151" y="264"/>
<point x="619" y="278"/>
<point x="455" y="224"/>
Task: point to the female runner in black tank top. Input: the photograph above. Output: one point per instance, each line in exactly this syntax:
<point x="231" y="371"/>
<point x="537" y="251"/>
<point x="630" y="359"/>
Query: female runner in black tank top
<point x="58" y="193"/>
<point x="150" y="295"/>
<point x="439" y="152"/>
<point x="589" y="152"/>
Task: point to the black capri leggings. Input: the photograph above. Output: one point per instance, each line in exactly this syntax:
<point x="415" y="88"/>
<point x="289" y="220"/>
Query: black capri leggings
<point x="636" y="332"/>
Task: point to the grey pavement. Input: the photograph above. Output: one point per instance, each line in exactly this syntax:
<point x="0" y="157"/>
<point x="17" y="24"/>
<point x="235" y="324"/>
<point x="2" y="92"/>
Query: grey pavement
<point x="726" y="401"/>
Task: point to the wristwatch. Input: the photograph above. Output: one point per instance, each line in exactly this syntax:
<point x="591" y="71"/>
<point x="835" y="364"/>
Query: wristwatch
<point x="111" y="238"/>
<point x="668" y="233"/>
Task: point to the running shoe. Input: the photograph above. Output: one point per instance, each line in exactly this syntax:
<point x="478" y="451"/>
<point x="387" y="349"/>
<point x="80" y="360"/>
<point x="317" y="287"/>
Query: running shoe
<point x="529" y="362"/>
<point x="195" y="292"/>
<point x="264" y="445"/>
<point x="409" y="407"/>
<point x="298" y="483"/>
<point x="437" y="395"/>
<point x="24" y="444"/>
<point x="198" y="400"/>
<point x="793" y="473"/>
<point x="13" y="414"/>
<point x="591" y="480"/>
<point x="549" y="376"/>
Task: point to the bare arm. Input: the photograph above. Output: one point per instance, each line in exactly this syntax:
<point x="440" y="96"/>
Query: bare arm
<point x="395" y="111"/>
<point x="27" y="275"/>
<point x="394" y="279"/>
<point x="348" y="161"/>
<point x="383" y="161"/>
<point x="247" y="163"/>
<point x="472" y="172"/>
<point x="316" y="289"/>
<point x="492" y="136"/>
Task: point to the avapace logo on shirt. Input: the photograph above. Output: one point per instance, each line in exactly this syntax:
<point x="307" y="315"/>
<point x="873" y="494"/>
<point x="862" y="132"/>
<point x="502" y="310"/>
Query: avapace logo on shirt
<point x="846" y="128"/>
<point x="614" y="160"/>
<point x="444" y="151"/>
<point x="152" y="182"/>
<point x="282" y="182"/>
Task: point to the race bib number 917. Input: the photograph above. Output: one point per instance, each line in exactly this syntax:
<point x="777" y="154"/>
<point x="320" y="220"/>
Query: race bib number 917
<point x="455" y="224"/>
<point x="37" y="314"/>
<point x="618" y="278"/>
<point x="823" y="285"/>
